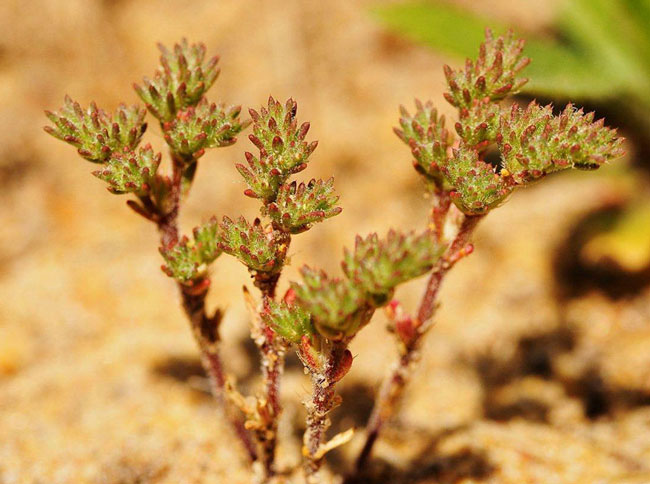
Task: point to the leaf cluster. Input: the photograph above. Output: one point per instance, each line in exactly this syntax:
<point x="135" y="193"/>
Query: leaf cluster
<point x="283" y="150"/>
<point x="492" y="76"/>
<point x="253" y="244"/>
<point x="531" y="142"/>
<point x="340" y="307"/>
<point x="187" y="261"/>
<point x="427" y="136"/>
<point x="291" y="322"/>
<point x="130" y="172"/>
<point x="298" y="205"/>
<point x="206" y="125"/>
<point x="95" y="133"/>
<point x="181" y="81"/>
<point x="292" y="207"/>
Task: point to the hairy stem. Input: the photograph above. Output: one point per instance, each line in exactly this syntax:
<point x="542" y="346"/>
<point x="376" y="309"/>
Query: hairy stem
<point x="206" y="333"/>
<point x="272" y="351"/>
<point x="204" y="328"/>
<point x="323" y="401"/>
<point x="272" y="370"/>
<point x="392" y="388"/>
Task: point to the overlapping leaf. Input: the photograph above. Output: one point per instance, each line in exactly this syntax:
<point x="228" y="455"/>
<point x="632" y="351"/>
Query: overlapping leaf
<point x="338" y="307"/>
<point x="207" y="125"/>
<point x="534" y="143"/>
<point x="130" y="171"/>
<point x="188" y="260"/>
<point x="181" y="80"/>
<point x="252" y="244"/>
<point x="298" y="206"/>
<point x="95" y="133"/>
<point x="283" y="150"/>
<point x="426" y="135"/>
<point x="493" y="75"/>
<point x="476" y="187"/>
<point x="378" y="265"/>
<point x="291" y="322"/>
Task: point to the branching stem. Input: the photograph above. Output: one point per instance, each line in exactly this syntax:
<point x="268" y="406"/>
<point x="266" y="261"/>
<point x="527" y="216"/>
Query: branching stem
<point x="205" y="328"/>
<point x="393" y="385"/>
<point x="272" y="351"/>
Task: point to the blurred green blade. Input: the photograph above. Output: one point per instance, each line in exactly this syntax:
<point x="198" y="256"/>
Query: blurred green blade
<point x="613" y="35"/>
<point x="556" y="70"/>
<point x="447" y="28"/>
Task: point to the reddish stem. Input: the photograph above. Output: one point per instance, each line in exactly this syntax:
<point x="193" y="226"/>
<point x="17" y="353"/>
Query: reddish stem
<point x="204" y="328"/>
<point x="392" y="387"/>
<point x="272" y="353"/>
<point x="322" y="403"/>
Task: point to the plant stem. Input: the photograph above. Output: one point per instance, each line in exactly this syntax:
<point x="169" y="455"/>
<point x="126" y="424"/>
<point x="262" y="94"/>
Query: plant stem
<point x="392" y="388"/>
<point x="272" y="370"/>
<point x="204" y="328"/>
<point x="272" y="354"/>
<point x="206" y="334"/>
<point x="322" y="403"/>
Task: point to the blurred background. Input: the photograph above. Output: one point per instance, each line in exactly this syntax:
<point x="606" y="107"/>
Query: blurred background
<point x="538" y="370"/>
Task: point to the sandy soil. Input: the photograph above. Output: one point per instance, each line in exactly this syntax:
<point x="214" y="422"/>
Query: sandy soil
<point x="99" y="378"/>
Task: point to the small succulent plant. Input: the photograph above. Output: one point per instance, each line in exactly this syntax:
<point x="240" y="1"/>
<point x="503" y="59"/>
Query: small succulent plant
<point x="531" y="142"/>
<point x="320" y="314"/>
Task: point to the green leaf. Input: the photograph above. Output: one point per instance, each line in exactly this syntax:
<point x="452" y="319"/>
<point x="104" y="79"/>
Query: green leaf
<point x="556" y="70"/>
<point x="476" y="187"/>
<point x="188" y="260"/>
<point x="196" y="129"/>
<point x="338" y="307"/>
<point x="613" y="38"/>
<point x="182" y="80"/>
<point x="279" y="138"/>
<point x="623" y="239"/>
<point x="534" y="143"/>
<point x="299" y="206"/>
<point x="130" y="172"/>
<point x="252" y="244"/>
<point x="493" y="75"/>
<point x="479" y="123"/>
<point x="290" y="322"/>
<point x="426" y="135"/>
<point x="379" y="265"/>
<point x="95" y="133"/>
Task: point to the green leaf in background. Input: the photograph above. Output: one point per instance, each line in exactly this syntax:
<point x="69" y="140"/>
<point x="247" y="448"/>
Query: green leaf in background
<point x="606" y="54"/>
<point x="626" y="240"/>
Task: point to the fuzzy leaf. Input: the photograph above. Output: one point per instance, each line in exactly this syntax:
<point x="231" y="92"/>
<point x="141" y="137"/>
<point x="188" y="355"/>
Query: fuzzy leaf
<point x="337" y="306"/>
<point x="426" y="135"/>
<point x="476" y="188"/>
<point x="253" y="245"/>
<point x="130" y="172"/>
<point x="379" y="265"/>
<point x="298" y="206"/>
<point x="195" y="129"/>
<point x="534" y="143"/>
<point x="188" y="260"/>
<point x="290" y="322"/>
<point x="478" y="125"/>
<point x="283" y="150"/>
<point x="181" y="80"/>
<point x="493" y="75"/>
<point x="95" y="133"/>
<point x="262" y="178"/>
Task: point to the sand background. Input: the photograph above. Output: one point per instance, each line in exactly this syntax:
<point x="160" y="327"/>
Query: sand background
<point x="99" y="376"/>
